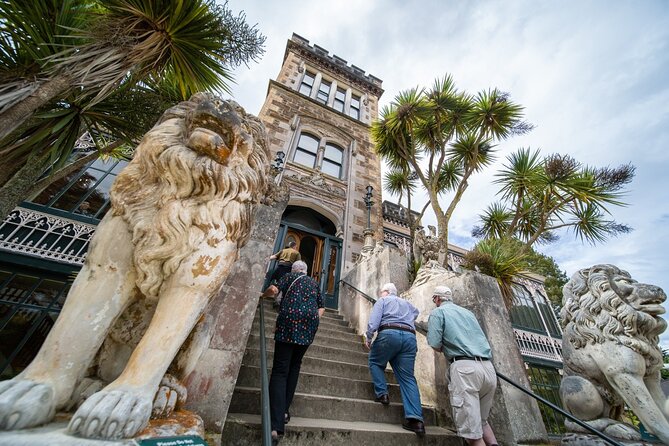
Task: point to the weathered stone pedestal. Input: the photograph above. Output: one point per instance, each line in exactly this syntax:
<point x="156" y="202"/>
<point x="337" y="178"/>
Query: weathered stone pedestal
<point x="180" y="423"/>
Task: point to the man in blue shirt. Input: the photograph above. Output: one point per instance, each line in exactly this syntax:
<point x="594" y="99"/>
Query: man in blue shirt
<point x="393" y="318"/>
<point x="471" y="376"/>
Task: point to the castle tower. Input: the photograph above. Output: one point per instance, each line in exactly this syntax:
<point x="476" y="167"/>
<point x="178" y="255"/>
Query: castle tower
<point x="318" y="112"/>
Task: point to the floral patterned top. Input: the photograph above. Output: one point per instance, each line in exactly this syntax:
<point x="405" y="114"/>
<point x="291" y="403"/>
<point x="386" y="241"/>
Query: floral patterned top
<point x="297" y="321"/>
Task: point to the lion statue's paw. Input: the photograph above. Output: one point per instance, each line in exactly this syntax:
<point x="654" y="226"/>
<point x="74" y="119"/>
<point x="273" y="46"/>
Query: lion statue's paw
<point x="25" y="403"/>
<point x="171" y="394"/>
<point x="622" y="430"/>
<point x="111" y="414"/>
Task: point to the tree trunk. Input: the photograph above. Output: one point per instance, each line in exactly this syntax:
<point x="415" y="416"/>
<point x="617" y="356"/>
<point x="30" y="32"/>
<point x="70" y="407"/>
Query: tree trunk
<point x="14" y="191"/>
<point x="20" y="112"/>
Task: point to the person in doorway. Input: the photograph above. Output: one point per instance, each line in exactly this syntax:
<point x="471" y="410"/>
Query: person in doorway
<point x="296" y="325"/>
<point x="285" y="259"/>
<point x="393" y="318"/>
<point x="471" y="376"/>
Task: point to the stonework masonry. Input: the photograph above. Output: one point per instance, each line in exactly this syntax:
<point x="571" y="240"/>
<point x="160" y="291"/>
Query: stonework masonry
<point x="287" y="113"/>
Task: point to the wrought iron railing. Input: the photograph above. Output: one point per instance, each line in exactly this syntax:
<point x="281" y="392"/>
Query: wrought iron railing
<point x="422" y="329"/>
<point x="43" y="235"/>
<point x="264" y="382"/>
<point x="539" y="346"/>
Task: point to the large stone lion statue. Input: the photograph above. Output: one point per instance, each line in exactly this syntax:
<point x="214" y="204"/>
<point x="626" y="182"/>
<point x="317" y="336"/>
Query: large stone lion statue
<point x="134" y="316"/>
<point x="611" y="356"/>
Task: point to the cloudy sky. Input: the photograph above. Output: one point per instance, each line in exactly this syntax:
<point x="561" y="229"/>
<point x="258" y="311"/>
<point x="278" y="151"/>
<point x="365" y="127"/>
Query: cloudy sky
<point x="593" y="77"/>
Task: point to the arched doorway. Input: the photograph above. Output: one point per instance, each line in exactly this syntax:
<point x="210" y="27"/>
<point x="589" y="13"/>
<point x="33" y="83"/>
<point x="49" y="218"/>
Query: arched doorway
<point x="318" y="245"/>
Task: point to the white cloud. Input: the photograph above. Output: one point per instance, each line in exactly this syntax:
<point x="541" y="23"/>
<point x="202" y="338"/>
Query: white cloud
<point x="592" y="76"/>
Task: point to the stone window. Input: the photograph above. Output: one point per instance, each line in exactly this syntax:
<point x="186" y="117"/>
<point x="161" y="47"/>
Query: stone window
<point x="306" y="151"/>
<point x="307" y="83"/>
<point x="333" y="158"/>
<point x="331" y="94"/>
<point x="319" y="154"/>
<point x="354" y="108"/>
<point x="323" y="91"/>
<point x="339" y="100"/>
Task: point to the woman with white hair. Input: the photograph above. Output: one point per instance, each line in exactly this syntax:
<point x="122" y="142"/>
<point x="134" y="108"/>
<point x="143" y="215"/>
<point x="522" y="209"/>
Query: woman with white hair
<point x="296" y="325"/>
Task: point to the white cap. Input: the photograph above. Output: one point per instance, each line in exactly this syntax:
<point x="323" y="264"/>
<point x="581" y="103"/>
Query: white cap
<point x="443" y="291"/>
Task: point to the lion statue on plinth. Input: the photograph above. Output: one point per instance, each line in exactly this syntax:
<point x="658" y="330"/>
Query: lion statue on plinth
<point x="610" y="350"/>
<point x="181" y="210"/>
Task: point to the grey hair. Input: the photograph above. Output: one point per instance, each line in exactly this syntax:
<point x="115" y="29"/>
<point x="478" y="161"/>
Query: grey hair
<point x="390" y="287"/>
<point x="299" y="267"/>
<point x="292" y="244"/>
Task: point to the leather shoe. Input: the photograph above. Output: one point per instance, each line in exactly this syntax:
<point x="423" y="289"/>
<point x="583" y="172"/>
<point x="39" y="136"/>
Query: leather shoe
<point x="383" y="399"/>
<point x="415" y="426"/>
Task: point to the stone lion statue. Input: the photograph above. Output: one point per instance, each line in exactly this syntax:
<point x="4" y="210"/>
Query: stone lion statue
<point x="611" y="356"/>
<point x="134" y="316"/>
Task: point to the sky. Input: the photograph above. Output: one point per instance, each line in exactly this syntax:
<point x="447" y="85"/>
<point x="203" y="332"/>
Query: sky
<point x="592" y="75"/>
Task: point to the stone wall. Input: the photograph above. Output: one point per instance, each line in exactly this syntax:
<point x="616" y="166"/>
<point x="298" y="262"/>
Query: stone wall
<point x="515" y="417"/>
<point x="211" y="385"/>
<point x="286" y="113"/>
<point x="371" y="271"/>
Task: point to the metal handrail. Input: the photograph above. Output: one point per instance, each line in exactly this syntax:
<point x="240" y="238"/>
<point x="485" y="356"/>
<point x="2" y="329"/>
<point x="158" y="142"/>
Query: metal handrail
<point x="264" y="383"/>
<point x="560" y="410"/>
<point x="422" y="329"/>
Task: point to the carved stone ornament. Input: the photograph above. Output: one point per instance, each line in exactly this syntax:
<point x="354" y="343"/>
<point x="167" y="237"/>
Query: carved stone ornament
<point x="611" y="354"/>
<point x="429" y="251"/>
<point x="318" y="182"/>
<point x="181" y="210"/>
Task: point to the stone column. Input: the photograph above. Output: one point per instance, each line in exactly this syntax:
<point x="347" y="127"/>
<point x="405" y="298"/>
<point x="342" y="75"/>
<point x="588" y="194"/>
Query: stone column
<point x="515" y="417"/>
<point x="211" y="384"/>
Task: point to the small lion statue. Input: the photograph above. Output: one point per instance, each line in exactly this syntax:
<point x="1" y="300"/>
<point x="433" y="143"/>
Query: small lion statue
<point x="181" y="210"/>
<point x="611" y="356"/>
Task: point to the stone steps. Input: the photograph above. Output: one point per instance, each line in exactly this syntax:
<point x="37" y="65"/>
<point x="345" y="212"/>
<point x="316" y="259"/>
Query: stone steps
<point x="334" y="402"/>
<point x="314" y="383"/>
<point x="245" y="430"/>
<point x="247" y="400"/>
<point x="320" y="366"/>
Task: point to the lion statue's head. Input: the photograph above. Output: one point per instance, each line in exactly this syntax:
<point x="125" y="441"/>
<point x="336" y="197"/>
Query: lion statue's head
<point x="201" y="168"/>
<point x="603" y="303"/>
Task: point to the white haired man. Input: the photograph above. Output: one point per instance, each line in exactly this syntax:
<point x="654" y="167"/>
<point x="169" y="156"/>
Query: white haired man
<point x="393" y="318"/>
<point x="471" y="377"/>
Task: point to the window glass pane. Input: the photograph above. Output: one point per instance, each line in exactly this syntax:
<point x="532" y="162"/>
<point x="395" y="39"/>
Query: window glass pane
<point x="354" y="110"/>
<point x="323" y="92"/>
<point x="340" y="99"/>
<point x="91" y="184"/>
<point x="307" y="83"/>
<point x="331" y="168"/>
<point x="523" y="313"/>
<point x="308" y="143"/>
<point x="305" y="158"/>
<point x="334" y="153"/>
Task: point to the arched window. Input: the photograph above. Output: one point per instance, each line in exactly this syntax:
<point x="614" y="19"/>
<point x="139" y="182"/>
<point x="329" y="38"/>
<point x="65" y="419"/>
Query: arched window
<point x="306" y="151"/>
<point x="333" y="158"/>
<point x="319" y="154"/>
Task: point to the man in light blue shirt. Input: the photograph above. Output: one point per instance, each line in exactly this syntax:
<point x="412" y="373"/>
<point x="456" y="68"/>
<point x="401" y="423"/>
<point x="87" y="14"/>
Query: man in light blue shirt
<point x="393" y="318"/>
<point x="471" y="376"/>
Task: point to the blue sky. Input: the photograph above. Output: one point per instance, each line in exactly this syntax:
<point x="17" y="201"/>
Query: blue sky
<point x="593" y="77"/>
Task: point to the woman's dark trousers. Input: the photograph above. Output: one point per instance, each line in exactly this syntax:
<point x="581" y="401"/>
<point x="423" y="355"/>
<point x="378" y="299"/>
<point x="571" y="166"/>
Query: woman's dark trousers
<point x="282" y="383"/>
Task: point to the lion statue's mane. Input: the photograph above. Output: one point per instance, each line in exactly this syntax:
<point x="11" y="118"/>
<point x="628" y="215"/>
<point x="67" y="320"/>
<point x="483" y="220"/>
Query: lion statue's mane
<point x="170" y="195"/>
<point x="593" y="312"/>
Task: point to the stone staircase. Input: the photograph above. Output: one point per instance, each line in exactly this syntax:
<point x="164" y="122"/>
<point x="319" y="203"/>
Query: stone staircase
<point x="334" y="402"/>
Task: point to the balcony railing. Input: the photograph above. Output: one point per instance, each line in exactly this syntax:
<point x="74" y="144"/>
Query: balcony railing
<point x="46" y="236"/>
<point x="535" y="345"/>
